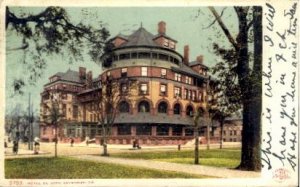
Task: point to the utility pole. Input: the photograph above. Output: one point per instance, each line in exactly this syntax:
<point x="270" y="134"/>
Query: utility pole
<point x="29" y="126"/>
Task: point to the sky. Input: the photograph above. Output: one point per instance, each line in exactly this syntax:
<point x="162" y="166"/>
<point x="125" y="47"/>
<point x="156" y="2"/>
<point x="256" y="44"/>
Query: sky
<point x="187" y="25"/>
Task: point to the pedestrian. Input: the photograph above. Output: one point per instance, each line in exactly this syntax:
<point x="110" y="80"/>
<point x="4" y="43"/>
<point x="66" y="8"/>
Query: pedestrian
<point x="15" y="147"/>
<point x="72" y="142"/>
<point x="134" y="144"/>
<point x="36" y="145"/>
<point x="87" y="141"/>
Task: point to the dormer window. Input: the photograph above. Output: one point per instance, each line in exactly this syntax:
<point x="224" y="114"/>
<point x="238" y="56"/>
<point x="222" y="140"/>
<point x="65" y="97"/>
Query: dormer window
<point x="172" y="45"/>
<point x="166" y="43"/>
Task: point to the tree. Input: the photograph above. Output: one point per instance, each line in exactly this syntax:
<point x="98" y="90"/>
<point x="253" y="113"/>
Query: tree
<point x="200" y="119"/>
<point x="51" y="32"/>
<point x="227" y="92"/>
<point x="196" y="134"/>
<point x="54" y="116"/>
<point x="16" y="123"/>
<point x="249" y="80"/>
<point x="111" y="93"/>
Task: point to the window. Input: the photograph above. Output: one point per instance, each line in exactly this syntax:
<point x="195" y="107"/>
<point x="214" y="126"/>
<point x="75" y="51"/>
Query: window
<point x="143" y="88"/>
<point x="143" y="130"/>
<point x="185" y="94"/>
<point x="124" y="107"/>
<point x="124" y="72"/>
<point x="166" y="42"/>
<point x="189" y="111"/>
<point x="177" y="92"/>
<point x="200" y="96"/>
<point x="124" y="56"/>
<point x="162" y="130"/>
<point x="189" y="132"/>
<point x="163" y="73"/>
<point x="162" y="107"/>
<point x="124" y="88"/>
<point x="95" y="117"/>
<point x="133" y="55"/>
<point x="177" y="108"/>
<point x="188" y="80"/>
<point x="230" y="133"/>
<point x="234" y="132"/>
<point x="75" y="111"/>
<point x="224" y="132"/>
<point x="172" y="45"/>
<point x="154" y="55"/>
<point x="176" y="61"/>
<point x="124" y="130"/>
<point x="144" y="55"/>
<point x="91" y="117"/>
<point x="163" y="57"/>
<point x="144" y="106"/>
<point x="163" y="89"/>
<point x="177" y="77"/>
<point x="193" y="95"/>
<point x="189" y="94"/>
<point x="177" y="131"/>
<point x="144" y="71"/>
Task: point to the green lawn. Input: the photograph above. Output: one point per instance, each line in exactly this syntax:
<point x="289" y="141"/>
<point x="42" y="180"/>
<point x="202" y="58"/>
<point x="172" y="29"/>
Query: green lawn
<point x="67" y="168"/>
<point x="228" y="158"/>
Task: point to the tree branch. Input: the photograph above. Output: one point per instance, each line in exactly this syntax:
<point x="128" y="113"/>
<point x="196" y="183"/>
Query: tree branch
<point x="215" y="20"/>
<point x="223" y="27"/>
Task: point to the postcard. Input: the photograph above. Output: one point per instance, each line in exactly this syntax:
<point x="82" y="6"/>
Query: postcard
<point x="149" y="93"/>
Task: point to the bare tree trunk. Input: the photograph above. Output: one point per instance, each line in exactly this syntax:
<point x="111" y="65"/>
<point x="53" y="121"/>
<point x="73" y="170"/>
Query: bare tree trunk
<point x="196" y="145"/>
<point x="105" y="152"/>
<point x="55" y="145"/>
<point x="208" y="136"/>
<point x="221" y="137"/>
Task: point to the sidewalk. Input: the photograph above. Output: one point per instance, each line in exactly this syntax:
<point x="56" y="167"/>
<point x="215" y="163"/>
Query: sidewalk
<point x="22" y="153"/>
<point x="186" y="168"/>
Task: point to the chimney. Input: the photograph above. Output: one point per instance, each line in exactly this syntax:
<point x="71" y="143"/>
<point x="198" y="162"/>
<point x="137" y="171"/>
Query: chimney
<point x="200" y="59"/>
<point x="162" y="27"/>
<point x="89" y="79"/>
<point x="82" y="73"/>
<point x="90" y="76"/>
<point x="186" y="55"/>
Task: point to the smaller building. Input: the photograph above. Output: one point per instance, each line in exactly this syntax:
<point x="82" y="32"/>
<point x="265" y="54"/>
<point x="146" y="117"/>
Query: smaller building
<point x="232" y="130"/>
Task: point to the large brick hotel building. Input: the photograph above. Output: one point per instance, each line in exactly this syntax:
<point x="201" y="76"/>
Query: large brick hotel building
<point x="171" y="89"/>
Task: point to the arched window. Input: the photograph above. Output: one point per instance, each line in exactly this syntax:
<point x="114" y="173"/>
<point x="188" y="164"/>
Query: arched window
<point x="162" y="107"/>
<point x="124" y="107"/>
<point x="189" y="111"/>
<point x="144" y="106"/>
<point x="177" y="108"/>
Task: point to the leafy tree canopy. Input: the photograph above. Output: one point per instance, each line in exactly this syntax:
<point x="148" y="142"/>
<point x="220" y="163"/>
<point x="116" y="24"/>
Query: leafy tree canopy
<point x="51" y="32"/>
